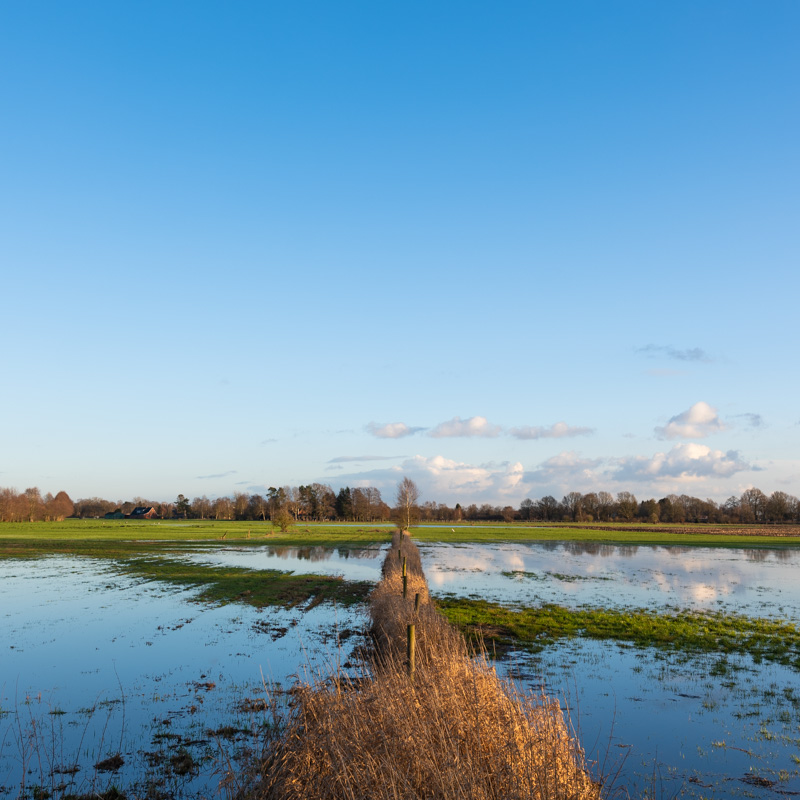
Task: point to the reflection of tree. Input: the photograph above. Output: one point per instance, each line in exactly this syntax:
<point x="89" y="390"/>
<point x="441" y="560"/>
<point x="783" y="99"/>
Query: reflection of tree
<point x="677" y="550"/>
<point x="756" y="556"/>
<point x="320" y="552"/>
<point x="591" y="549"/>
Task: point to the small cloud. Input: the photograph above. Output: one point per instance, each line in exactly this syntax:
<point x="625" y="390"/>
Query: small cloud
<point x="560" y="430"/>
<point x="217" y="475"/>
<point x="241" y="483"/>
<point x="392" y="430"/>
<point x="456" y="427"/>
<point x="751" y="420"/>
<point x="699" y="421"/>
<point x="267" y="441"/>
<point x="344" y="459"/>
<point x="668" y="351"/>
<point x="685" y="462"/>
<point x="334" y="468"/>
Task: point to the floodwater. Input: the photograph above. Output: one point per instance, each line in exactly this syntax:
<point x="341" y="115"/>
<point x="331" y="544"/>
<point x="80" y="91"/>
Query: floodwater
<point x="353" y="564"/>
<point x="756" y="582"/>
<point x="699" y="725"/>
<point x="93" y="664"/>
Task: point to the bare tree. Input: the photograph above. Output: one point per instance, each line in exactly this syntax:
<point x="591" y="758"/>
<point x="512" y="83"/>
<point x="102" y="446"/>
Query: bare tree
<point x="407" y="509"/>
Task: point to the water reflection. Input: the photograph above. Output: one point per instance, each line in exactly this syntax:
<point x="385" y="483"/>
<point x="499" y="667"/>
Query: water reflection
<point x="354" y="564"/>
<point x="754" y="582"/>
<point x="103" y="663"/>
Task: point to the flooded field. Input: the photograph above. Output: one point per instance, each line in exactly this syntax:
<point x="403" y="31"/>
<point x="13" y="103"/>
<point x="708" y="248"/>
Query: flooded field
<point x="95" y="666"/>
<point x="110" y="680"/>
<point x="703" y="725"/>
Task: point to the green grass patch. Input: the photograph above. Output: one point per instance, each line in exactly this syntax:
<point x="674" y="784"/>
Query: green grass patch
<point x="255" y="587"/>
<point x="115" y="538"/>
<point x="535" y="628"/>
<point x="517" y="533"/>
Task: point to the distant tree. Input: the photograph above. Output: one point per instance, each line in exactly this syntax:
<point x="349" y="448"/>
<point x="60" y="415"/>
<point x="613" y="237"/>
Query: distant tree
<point x="34" y="505"/>
<point x="222" y="508"/>
<point x="548" y="507"/>
<point x="60" y="507"/>
<point x="283" y="519"/>
<point x="590" y="507"/>
<point x="201" y="507"/>
<point x="182" y="506"/>
<point x="241" y="501"/>
<point x="730" y="509"/>
<point x="276" y="499"/>
<point x="257" y="507"/>
<point x="753" y="505"/>
<point x="626" y="506"/>
<point x="572" y="505"/>
<point x="407" y="509"/>
<point x="780" y="507"/>
<point x="526" y="508"/>
<point x="649" y="511"/>
<point x="605" y="506"/>
<point x="344" y="503"/>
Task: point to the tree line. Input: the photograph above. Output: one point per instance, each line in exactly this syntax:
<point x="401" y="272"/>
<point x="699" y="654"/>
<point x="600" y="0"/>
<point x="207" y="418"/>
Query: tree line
<point x="320" y="503"/>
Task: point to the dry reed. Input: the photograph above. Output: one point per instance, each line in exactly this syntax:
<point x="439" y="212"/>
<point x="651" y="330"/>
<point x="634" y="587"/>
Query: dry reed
<point x="455" y="731"/>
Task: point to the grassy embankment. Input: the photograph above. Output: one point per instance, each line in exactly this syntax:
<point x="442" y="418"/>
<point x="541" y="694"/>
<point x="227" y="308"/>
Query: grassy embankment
<point x="450" y="729"/>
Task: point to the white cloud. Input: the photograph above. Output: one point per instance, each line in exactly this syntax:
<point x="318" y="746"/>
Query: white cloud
<point x="445" y="480"/>
<point x="685" y="462"/>
<point x="699" y="421"/>
<point x="560" y="430"/>
<point x="392" y="430"/>
<point x="474" y="426"/>
<point x="567" y="471"/>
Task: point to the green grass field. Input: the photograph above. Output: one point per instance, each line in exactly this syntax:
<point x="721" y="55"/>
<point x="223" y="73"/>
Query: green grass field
<point x="102" y="537"/>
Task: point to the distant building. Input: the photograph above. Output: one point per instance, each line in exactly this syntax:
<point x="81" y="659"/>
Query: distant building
<point x="114" y="515"/>
<point x="143" y="512"/>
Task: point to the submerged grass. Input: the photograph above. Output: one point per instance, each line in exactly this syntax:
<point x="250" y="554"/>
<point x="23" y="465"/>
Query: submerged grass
<point x="452" y="730"/>
<point x="534" y="628"/>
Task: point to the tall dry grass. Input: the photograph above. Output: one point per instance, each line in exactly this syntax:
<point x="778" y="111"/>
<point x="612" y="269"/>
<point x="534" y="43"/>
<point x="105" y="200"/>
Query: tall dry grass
<point x="456" y="730"/>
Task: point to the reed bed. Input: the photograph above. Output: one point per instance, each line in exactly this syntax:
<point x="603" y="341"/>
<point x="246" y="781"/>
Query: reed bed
<point x="453" y="729"/>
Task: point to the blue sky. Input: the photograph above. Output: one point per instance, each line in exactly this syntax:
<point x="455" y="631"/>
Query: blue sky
<point x="507" y="250"/>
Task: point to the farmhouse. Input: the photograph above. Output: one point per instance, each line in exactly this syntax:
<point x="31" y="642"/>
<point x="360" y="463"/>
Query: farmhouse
<point x="143" y="512"/>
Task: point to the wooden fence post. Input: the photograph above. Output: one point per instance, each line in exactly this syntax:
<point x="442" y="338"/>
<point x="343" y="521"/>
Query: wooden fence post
<point x="411" y="650"/>
<point x="405" y="580"/>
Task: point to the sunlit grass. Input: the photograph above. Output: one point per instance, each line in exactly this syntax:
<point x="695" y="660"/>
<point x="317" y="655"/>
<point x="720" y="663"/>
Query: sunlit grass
<point x="534" y="628"/>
